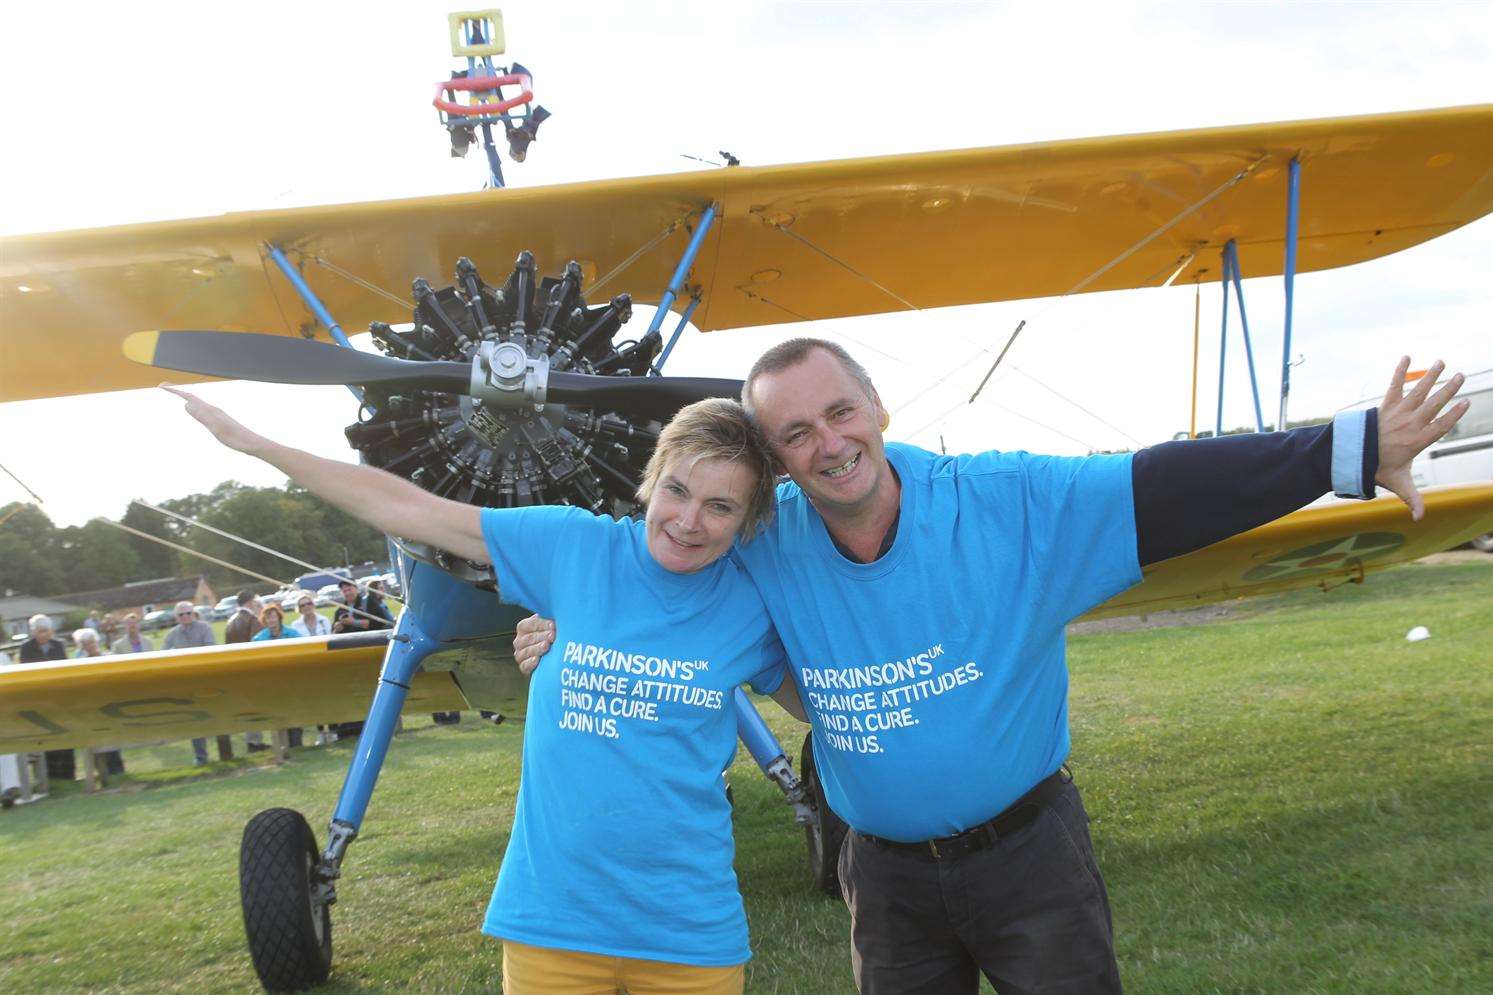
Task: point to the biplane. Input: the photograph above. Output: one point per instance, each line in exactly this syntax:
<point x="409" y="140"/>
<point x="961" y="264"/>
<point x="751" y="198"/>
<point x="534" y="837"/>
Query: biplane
<point x="525" y="389"/>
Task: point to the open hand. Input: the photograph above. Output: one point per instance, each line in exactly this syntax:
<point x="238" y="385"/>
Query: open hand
<point x="531" y="640"/>
<point x="1408" y="423"/>
<point x="225" y="429"/>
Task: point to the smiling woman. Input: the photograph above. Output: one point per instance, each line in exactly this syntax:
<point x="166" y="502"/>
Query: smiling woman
<point x="709" y="480"/>
<point x="569" y="898"/>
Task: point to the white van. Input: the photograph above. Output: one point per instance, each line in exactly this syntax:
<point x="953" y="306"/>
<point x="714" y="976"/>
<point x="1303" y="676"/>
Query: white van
<point x="1466" y="452"/>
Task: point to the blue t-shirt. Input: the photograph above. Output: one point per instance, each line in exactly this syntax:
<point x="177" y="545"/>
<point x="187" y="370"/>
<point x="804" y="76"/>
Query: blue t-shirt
<point x="621" y="839"/>
<point x="935" y="677"/>
<point x="263" y="634"/>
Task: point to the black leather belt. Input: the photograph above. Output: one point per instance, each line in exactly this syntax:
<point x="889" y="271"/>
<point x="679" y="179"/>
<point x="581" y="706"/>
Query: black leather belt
<point x="1019" y="814"/>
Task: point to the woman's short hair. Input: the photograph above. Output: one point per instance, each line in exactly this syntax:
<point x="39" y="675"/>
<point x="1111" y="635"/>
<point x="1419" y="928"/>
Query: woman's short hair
<point x="86" y="633"/>
<point x="264" y="613"/>
<point x="717" y="428"/>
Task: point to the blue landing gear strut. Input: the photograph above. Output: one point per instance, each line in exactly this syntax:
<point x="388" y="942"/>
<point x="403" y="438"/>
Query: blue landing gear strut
<point x="824" y="832"/>
<point x="768" y="753"/>
<point x="286" y="887"/>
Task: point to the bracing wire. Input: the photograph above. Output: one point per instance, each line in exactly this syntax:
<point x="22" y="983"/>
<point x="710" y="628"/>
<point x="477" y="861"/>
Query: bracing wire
<point x="226" y="535"/>
<point x="358" y="280"/>
<point x="638" y="253"/>
<point x="838" y="262"/>
<point x="23" y="484"/>
<point x="198" y="553"/>
<point x="1150" y="237"/>
<point x="247" y="542"/>
<point x="913" y="307"/>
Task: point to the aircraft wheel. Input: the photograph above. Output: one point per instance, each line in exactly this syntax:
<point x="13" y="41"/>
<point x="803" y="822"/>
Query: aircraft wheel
<point x="289" y="930"/>
<point x="826" y="833"/>
<point x="1484" y="542"/>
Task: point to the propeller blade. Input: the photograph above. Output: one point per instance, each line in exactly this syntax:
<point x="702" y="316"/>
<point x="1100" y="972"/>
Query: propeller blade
<point x="657" y="397"/>
<point x="278" y="359"/>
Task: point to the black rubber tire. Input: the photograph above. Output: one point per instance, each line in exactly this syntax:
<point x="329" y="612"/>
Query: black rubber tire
<point x="826" y="834"/>
<point x="1484" y="542"/>
<point x="291" y="949"/>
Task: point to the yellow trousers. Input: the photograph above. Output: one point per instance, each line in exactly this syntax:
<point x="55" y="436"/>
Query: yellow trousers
<point x="543" y="971"/>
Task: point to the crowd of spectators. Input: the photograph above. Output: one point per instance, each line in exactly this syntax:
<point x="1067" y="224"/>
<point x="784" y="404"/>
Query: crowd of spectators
<point x="256" y="619"/>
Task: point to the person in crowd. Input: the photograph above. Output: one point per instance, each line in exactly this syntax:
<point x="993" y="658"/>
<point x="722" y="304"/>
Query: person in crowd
<point x="86" y="643"/>
<point x="10" y="763"/>
<point x="91" y="622"/>
<point x="310" y="622"/>
<point x="368" y="609"/>
<point x="271" y="623"/>
<point x="108" y="631"/>
<point x="133" y="640"/>
<point x="343" y="620"/>
<point x="244" y="623"/>
<point x="44" y="647"/>
<point x="240" y="629"/>
<point x="90" y="645"/>
<point x="614" y="877"/>
<point x="190" y="631"/>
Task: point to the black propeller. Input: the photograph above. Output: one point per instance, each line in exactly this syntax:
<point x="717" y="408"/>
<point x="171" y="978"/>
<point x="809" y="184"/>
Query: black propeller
<point x="279" y="359"/>
<point x="655" y="397"/>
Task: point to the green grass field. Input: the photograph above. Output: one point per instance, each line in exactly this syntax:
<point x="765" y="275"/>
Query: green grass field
<point x="1292" y="799"/>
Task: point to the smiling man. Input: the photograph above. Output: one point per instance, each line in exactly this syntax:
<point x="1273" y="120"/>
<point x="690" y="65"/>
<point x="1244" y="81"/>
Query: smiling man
<point x="923" y="598"/>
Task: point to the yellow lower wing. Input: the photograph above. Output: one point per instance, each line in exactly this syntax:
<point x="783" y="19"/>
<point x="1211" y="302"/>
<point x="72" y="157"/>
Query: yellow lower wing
<point x="1315" y="547"/>
<point x="299" y="682"/>
<point x="276" y="684"/>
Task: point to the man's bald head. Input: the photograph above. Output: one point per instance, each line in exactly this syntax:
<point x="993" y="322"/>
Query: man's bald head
<point x="786" y="354"/>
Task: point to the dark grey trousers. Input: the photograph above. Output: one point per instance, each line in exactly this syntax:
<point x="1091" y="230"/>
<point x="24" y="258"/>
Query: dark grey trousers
<point x="1030" y="912"/>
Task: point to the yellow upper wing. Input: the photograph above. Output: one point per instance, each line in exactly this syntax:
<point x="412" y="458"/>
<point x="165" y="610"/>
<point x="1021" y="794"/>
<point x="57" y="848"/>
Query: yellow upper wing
<point x="933" y="229"/>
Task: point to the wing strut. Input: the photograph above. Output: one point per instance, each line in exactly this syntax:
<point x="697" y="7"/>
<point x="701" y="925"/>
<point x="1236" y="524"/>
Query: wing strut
<point x="1293" y="218"/>
<point x="1231" y="273"/>
<point x="676" y="284"/>
<point x="313" y="302"/>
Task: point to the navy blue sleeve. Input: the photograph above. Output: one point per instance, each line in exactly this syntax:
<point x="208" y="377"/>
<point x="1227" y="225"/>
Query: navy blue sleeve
<point x="1193" y="493"/>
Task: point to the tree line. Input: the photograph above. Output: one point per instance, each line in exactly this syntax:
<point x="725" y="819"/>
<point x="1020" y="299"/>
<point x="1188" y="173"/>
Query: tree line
<point x="38" y="558"/>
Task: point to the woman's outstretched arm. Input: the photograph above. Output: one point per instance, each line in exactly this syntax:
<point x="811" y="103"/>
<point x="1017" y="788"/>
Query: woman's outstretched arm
<point x="391" y="505"/>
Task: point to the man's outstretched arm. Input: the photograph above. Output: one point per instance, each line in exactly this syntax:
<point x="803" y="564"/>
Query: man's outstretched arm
<point x="1191" y="494"/>
<point x="391" y="505"/>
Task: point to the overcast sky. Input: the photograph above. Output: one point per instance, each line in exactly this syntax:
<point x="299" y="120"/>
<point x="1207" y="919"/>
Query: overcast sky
<point x="117" y="113"/>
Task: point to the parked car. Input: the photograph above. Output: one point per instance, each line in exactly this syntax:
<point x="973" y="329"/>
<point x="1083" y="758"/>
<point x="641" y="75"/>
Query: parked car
<point x="162" y="618"/>
<point x="1465" y="453"/>
<point x="224" y="608"/>
<point x="320" y="578"/>
<point x="329" y="594"/>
